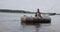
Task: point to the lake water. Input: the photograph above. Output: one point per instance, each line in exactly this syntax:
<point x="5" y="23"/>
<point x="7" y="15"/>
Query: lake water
<point x="11" y="22"/>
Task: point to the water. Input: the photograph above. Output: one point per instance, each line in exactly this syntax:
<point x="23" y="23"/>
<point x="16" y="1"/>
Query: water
<point x="11" y="22"/>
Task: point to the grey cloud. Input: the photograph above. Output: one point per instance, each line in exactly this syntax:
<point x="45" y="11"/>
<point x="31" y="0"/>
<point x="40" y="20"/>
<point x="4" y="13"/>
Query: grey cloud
<point x="30" y="5"/>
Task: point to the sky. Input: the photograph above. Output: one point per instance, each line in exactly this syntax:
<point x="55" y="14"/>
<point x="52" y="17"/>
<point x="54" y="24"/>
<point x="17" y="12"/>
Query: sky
<point x="31" y="5"/>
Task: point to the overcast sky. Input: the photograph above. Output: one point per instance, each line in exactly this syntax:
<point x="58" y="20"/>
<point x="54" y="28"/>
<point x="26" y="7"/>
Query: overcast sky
<point x="31" y="5"/>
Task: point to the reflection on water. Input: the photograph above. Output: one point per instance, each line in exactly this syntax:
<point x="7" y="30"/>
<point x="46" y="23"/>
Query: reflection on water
<point x="10" y="22"/>
<point x="36" y="26"/>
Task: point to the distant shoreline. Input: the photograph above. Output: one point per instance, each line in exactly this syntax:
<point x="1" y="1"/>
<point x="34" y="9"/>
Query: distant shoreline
<point x="22" y="11"/>
<point x="15" y="11"/>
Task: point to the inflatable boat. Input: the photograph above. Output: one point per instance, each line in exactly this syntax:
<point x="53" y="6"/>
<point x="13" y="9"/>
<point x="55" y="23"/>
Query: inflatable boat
<point x="27" y="19"/>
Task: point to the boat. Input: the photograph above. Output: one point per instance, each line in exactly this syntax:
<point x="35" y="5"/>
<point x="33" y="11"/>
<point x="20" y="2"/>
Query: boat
<point x="28" y="19"/>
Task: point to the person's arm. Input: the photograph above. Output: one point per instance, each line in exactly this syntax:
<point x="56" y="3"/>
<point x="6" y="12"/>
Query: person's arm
<point x="39" y="13"/>
<point x="36" y="14"/>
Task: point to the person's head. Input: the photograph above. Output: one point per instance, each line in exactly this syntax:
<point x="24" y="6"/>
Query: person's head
<point x="37" y="10"/>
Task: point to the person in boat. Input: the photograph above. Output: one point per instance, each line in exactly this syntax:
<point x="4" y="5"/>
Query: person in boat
<point x="38" y="13"/>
